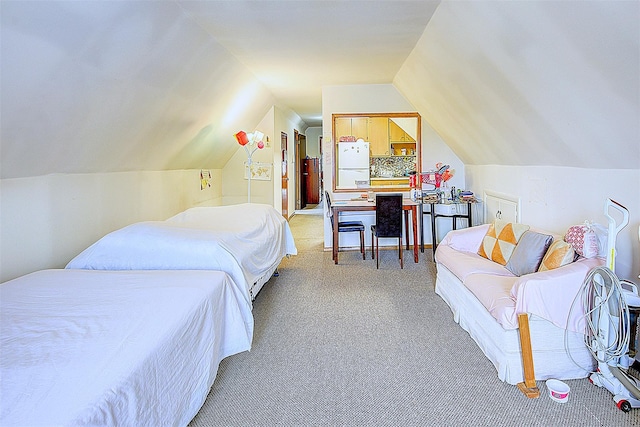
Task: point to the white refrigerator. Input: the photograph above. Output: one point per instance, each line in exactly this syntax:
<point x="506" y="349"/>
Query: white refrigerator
<point x="353" y="163"/>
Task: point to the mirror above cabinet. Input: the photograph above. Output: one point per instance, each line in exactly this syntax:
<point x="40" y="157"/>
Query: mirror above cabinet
<point x="376" y="151"/>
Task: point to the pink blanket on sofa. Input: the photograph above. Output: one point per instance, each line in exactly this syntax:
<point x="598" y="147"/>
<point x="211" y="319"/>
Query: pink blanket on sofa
<point x="550" y="295"/>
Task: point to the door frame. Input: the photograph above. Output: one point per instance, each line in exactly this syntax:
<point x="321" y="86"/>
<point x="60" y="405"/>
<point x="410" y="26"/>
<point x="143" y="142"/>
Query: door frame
<point x="284" y="193"/>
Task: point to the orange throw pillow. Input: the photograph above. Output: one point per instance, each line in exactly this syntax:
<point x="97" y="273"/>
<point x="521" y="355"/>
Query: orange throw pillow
<point x="500" y="241"/>
<point x="559" y="253"/>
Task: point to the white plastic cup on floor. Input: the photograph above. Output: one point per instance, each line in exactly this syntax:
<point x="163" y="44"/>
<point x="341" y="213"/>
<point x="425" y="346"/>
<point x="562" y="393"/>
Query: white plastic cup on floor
<point x="558" y="390"/>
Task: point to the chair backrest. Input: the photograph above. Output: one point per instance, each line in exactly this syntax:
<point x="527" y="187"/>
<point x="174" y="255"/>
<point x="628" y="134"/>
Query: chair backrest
<point x="389" y="215"/>
<point x="329" y="211"/>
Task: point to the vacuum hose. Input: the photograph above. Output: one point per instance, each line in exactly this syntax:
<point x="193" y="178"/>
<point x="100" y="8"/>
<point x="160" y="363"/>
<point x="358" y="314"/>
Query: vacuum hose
<point x="626" y="382"/>
<point x="606" y="310"/>
<point x="607" y="337"/>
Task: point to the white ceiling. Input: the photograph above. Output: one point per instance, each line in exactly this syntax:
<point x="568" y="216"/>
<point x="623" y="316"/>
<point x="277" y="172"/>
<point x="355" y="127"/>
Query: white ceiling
<point x="296" y="47"/>
<point x="109" y="86"/>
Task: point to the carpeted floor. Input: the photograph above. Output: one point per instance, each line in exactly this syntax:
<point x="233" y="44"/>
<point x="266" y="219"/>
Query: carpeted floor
<point x="351" y="345"/>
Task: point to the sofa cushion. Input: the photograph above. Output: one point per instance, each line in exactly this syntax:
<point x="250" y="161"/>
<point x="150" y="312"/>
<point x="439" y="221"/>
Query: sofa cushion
<point x="559" y="253"/>
<point x="500" y="241"/>
<point x="494" y="293"/>
<point x="462" y="264"/>
<point x="466" y="239"/>
<point x="528" y="254"/>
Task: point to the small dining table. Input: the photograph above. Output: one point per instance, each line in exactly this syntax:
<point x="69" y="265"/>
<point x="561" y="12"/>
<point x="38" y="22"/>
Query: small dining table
<point x="408" y="205"/>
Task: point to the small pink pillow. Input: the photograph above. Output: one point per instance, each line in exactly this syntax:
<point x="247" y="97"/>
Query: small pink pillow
<point x="583" y="239"/>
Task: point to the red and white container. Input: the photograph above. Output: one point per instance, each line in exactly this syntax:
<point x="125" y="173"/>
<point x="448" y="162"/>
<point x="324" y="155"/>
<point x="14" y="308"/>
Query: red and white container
<point x="558" y="390"/>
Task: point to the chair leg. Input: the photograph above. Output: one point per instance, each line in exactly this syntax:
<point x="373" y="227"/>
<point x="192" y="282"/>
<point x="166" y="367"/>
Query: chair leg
<point x="406" y="228"/>
<point x="364" y="255"/>
<point x="373" y="255"/>
<point x="377" y="253"/>
<point x="401" y="260"/>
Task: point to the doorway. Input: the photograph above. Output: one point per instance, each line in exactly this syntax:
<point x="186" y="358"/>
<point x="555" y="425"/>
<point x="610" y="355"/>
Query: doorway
<point x="285" y="176"/>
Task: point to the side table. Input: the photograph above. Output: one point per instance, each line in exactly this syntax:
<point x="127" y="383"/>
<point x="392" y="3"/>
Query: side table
<point x="431" y="212"/>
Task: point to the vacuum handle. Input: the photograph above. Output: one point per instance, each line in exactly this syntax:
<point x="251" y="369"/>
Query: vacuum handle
<point x="613" y="230"/>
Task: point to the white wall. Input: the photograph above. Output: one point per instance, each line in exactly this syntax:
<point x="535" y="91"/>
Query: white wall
<point x="554" y="198"/>
<point x="286" y="121"/>
<point x="313" y="135"/>
<point x="380" y="98"/>
<point x="47" y="220"/>
<point x="541" y="101"/>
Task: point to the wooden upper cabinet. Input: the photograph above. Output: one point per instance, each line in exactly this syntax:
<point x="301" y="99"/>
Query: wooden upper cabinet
<point x="352" y="126"/>
<point x="359" y="128"/>
<point x="397" y="134"/>
<point x="379" y="136"/>
<point x="343" y="127"/>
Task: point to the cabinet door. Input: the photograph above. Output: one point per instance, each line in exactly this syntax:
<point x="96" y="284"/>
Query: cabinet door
<point x="343" y="127"/>
<point x="359" y="127"/>
<point x="396" y="134"/>
<point x="379" y="136"/>
<point x="408" y="138"/>
<point x="502" y="207"/>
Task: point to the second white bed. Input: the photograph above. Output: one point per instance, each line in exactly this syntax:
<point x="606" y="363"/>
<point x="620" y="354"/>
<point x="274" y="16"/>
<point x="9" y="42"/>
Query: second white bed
<point x="247" y="241"/>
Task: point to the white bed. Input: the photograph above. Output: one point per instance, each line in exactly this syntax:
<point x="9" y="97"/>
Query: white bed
<point x="83" y="347"/>
<point x="247" y="241"/>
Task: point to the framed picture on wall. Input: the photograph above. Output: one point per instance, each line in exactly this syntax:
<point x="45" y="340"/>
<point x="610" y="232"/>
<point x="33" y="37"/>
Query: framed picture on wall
<point x="259" y="171"/>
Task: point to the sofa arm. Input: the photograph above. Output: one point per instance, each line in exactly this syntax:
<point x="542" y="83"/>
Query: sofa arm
<point x="466" y="239"/>
<point x="555" y="295"/>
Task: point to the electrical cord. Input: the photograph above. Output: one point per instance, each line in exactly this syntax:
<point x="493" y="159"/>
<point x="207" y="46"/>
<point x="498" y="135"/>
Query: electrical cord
<point x="601" y="286"/>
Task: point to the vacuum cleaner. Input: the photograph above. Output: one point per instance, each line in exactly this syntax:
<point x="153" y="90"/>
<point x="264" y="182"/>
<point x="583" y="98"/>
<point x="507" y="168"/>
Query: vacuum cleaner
<point x="607" y="300"/>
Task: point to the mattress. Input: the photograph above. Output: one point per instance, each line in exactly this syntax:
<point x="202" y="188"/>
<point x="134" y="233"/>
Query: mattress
<point x="84" y="347"/>
<point x="557" y="353"/>
<point x="247" y="241"/>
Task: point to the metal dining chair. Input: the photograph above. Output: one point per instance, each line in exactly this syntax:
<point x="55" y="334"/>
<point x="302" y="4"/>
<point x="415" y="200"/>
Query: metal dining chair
<point x="345" y="227"/>
<point x="388" y="223"/>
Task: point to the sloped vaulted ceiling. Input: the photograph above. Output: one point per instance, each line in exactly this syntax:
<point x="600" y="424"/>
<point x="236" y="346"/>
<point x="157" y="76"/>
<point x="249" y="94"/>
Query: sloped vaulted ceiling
<point x="102" y="86"/>
<point x="531" y="83"/>
<point x="117" y="86"/>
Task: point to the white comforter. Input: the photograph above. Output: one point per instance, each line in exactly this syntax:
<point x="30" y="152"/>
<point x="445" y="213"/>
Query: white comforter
<point x="83" y="347"/>
<point x="246" y="241"/>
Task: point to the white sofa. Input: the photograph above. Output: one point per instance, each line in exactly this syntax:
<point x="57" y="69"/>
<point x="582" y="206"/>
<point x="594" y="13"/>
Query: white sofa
<point x="486" y="297"/>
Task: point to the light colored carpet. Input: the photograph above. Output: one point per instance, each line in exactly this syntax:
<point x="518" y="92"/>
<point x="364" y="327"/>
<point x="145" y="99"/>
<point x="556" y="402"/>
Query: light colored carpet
<point x="350" y="345"/>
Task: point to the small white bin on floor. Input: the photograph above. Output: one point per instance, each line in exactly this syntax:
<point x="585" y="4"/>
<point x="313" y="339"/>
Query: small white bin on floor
<point x="558" y="390"/>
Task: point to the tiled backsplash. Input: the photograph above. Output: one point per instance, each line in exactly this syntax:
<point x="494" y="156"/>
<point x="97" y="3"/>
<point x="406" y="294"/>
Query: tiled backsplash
<point x="392" y="166"/>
